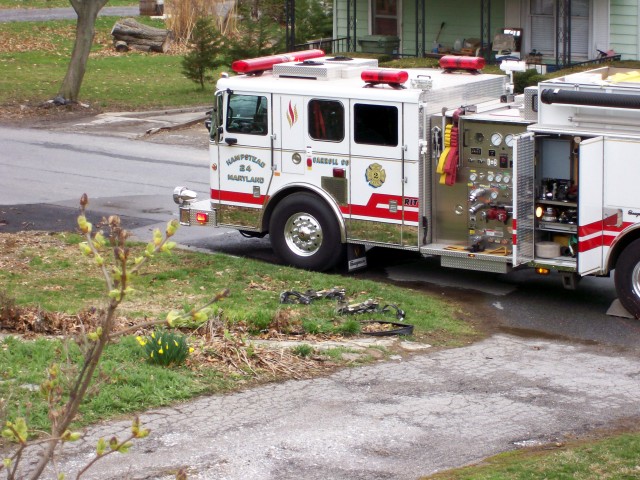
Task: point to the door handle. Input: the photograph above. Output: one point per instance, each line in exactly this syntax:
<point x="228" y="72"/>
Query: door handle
<point x="231" y="141"/>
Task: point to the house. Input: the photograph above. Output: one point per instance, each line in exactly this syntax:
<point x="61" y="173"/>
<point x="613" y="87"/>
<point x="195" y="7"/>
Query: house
<point x="559" y="31"/>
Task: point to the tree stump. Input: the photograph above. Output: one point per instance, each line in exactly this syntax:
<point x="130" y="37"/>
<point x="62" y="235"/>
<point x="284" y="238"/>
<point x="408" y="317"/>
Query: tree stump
<point x="128" y="33"/>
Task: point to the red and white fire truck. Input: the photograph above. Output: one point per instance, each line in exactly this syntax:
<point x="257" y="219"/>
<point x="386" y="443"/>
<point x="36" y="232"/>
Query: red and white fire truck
<point x="333" y="155"/>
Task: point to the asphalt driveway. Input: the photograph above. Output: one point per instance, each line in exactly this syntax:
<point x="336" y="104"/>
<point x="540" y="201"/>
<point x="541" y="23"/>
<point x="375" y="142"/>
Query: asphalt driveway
<point x="398" y="419"/>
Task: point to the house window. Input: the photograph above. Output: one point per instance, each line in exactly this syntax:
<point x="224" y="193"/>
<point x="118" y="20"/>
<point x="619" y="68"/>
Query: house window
<point x="326" y="120"/>
<point x="543" y="27"/>
<point x="385" y="17"/>
<point x="375" y="124"/>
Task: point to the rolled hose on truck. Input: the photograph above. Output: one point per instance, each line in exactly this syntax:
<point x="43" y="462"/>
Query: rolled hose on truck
<point x="592" y="99"/>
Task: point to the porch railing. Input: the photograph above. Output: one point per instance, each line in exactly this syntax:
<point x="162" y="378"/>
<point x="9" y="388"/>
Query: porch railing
<point x="329" y="45"/>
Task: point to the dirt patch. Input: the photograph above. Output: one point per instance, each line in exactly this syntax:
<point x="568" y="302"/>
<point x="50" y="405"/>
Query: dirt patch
<point x="45" y="114"/>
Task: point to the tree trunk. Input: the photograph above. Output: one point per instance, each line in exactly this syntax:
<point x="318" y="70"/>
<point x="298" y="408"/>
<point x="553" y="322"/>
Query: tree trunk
<point x="87" y="11"/>
<point x="141" y="37"/>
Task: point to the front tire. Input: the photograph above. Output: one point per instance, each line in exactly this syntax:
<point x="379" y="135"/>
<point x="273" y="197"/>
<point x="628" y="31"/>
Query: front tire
<point x="305" y="233"/>
<point x="627" y="278"/>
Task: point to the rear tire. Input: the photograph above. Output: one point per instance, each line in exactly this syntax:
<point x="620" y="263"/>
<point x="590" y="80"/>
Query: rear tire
<point x="627" y="278"/>
<point x="305" y="233"/>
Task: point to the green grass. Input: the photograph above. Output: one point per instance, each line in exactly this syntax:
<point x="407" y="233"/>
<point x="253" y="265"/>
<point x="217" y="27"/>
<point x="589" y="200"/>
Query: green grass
<point x="51" y="282"/>
<point x="34" y="58"/>
<point x="48" y="272"/>
<point x="128" y="383"/>
<point x="613" y="458"/>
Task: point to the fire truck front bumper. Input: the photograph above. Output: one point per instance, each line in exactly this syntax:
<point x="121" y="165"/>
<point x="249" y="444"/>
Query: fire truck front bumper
<point x="192" y="212"/>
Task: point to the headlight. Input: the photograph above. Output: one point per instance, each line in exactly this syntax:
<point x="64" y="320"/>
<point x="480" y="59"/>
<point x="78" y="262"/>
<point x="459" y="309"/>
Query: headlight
<point x="183" y="195"/>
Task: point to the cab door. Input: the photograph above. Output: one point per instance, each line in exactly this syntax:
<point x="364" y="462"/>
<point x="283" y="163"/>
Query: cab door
<point x="245" y="157"/>
<point x="377" y="172"/>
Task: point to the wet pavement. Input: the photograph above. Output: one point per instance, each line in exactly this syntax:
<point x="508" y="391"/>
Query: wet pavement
<point x="397" y="419"/>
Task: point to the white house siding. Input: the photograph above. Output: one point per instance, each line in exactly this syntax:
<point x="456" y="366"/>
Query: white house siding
<point x="340" y="18"/>
<point x="624" y="28"/>
<point x="600" y="30"/>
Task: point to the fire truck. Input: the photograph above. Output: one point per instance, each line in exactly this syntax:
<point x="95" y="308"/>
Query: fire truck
<point x="333" y="155"/>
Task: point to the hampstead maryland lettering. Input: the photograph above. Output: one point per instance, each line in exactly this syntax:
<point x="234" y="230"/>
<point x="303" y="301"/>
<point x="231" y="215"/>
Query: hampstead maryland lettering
<point x="245" y="178"/>
<point x="245" y="157"/>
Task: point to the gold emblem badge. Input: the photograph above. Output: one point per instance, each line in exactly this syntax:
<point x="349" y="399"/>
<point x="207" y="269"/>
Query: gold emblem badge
<point x="375" y="175"/>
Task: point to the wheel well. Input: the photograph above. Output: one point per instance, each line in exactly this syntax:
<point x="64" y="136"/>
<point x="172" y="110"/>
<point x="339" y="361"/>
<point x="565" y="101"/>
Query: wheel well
<point x="620" y="246"/>
<point x="281" y="195"/>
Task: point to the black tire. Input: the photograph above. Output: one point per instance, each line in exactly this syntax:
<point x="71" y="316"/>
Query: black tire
<point x="627" y="278"/>
<point x="305" y="233"/>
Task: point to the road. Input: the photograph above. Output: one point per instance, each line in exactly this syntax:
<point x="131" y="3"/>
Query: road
<point x="43" y="14"/>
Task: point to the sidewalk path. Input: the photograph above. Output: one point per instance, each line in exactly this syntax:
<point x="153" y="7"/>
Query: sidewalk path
<point x="393" y="420"/>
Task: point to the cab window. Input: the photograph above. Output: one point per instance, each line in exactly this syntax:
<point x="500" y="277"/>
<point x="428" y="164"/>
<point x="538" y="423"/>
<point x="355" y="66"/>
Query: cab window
<point x="247" y="114"/>
<point x="375" y="124"/>
<point x="326" y="120"/>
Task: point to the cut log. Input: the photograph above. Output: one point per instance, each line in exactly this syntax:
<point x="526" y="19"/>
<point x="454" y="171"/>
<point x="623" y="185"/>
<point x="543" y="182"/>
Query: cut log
<point x="121" y="46"/>
<point x="140" y="37"/>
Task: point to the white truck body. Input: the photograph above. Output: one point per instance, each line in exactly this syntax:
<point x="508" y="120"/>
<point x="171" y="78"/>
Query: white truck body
<point x="440" y="162"/>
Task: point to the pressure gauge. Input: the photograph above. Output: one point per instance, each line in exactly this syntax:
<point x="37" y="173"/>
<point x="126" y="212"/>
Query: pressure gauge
<point x="498" y="177"/>
<point x="494" y="195"/>
<point x="473" y="177"/>
<point x="508" y="140"/>
<point x="496" y="139"/>
<point x="490" y="176"/>
<point x="507" y="179"/>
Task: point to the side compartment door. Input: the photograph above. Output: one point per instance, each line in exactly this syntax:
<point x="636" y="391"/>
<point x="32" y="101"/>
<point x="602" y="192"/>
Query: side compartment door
<point x="245" y="158"/>
<point x="523" y="220"/>
<point x="590" y="202"/>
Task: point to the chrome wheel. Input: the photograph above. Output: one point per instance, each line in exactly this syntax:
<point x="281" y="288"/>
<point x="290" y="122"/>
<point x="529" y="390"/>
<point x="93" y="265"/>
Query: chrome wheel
<point x="635" y="280"/>
<point x="303" y="234"/>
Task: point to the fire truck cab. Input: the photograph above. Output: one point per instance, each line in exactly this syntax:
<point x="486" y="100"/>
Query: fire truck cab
<point x="332" y="155"/>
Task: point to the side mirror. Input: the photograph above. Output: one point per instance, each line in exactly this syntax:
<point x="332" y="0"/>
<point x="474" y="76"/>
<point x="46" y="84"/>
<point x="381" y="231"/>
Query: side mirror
<point x="207" y="120"/>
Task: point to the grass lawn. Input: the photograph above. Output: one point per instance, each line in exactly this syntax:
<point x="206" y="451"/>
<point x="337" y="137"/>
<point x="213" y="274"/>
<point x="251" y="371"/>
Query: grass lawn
<point x="54" y="285"/>
<point x="34" y="58"/>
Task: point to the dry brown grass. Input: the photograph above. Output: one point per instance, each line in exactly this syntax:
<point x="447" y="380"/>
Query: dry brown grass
<point x="183" y="14"/>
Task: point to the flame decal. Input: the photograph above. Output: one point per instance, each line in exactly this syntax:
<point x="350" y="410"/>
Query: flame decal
<point x="292" y="114"/>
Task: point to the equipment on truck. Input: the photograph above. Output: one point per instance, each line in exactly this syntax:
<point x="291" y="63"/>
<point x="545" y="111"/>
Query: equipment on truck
<point x="332" y="155"/>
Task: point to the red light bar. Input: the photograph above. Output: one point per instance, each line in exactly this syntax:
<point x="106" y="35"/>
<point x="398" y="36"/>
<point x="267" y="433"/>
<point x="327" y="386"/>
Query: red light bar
<point x="452" y="62"/>
<point x="261" y="64"/>
<point x="390" y="76"/>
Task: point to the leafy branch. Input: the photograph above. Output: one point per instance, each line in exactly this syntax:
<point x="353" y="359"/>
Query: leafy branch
<point x="117" y="275"/>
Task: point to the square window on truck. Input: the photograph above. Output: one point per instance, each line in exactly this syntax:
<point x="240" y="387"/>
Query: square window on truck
<point x="375" y="124"/>
<point x="326" y="120"/>
<point x="247" y="114"/>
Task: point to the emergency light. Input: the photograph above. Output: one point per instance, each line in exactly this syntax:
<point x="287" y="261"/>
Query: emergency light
<point x="470" y="64"/>
<point x="261" y="64"/>
<point x="388" y="76"/>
